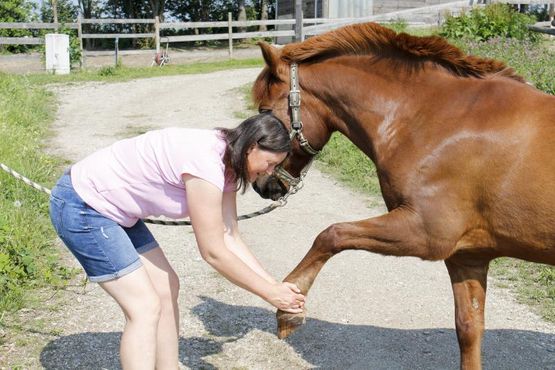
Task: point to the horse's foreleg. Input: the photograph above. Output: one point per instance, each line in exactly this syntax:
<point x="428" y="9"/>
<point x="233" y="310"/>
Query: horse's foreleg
<point x="469" y="288"/>
<point x="396" y="233"/>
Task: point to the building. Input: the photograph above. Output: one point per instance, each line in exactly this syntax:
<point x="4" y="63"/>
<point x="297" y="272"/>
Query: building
<point x="349" y="8"/>
<point x="337" y="9"/>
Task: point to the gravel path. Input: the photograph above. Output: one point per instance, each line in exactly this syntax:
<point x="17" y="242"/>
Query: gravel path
<point x="364" y="310"/>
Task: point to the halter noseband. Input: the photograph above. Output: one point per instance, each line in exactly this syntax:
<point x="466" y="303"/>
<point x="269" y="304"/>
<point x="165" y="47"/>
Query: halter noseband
<point x="295" y="183"/>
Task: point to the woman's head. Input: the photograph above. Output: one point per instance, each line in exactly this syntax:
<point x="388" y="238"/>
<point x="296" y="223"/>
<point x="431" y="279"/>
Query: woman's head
<point x="255" y="147"/>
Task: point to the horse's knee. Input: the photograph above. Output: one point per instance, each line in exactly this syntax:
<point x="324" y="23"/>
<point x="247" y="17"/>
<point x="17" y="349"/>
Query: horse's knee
<point x="328" y="240"/>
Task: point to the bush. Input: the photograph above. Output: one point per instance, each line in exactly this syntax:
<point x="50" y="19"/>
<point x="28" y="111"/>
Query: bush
<point x="531" y="60"/>
<point x="108" y="71"/>
<point x="496" y="20"/>
<point x="398" y="25"/>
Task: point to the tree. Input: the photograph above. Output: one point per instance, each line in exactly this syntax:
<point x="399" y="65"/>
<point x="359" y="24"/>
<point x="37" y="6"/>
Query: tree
<point x="201" y="10"/>
<point x="242" y="14"/>
<point x="88" y="8"/>
<point x="263" y="14"/>
<point x="66" y="11"/>
<point x="157" y="7"/>
<point x="16" y="11"/>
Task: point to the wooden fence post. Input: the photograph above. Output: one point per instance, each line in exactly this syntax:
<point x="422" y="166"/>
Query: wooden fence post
<point x="299" y="21"/>
<point x="157" y="33"/>
<point x="230" y="35"/>
<point x="80" y="36"/>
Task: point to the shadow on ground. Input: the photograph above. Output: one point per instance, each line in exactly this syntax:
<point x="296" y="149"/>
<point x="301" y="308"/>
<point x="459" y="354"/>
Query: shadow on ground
<point x="320" y="343"/>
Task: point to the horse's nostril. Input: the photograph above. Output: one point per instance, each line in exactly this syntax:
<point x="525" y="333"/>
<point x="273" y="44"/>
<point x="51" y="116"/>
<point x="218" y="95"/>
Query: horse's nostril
<point x="270" y="188"/>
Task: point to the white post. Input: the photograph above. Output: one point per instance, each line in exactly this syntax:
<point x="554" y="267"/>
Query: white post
<point x="80" y="36"/>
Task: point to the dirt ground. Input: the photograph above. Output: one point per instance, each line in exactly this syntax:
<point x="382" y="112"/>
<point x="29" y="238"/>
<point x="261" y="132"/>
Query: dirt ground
<point x="364" y="311"/>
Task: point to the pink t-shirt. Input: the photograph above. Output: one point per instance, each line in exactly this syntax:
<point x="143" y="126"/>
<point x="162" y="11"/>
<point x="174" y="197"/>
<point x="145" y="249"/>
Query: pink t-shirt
<point x="142" y="176"/>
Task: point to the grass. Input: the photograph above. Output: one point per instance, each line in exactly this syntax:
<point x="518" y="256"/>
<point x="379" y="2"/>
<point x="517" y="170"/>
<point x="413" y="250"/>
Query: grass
<point x="534" y="284"/>
<point x="29" y="260"/>
<point x="26" y="252"/>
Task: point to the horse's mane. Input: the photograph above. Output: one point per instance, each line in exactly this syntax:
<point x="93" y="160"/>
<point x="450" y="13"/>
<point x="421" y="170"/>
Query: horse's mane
<point x="360" y="39"/>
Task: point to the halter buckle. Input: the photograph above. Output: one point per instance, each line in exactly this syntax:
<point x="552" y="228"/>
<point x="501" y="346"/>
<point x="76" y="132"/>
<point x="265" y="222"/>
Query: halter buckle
<point x="294" y="98"/>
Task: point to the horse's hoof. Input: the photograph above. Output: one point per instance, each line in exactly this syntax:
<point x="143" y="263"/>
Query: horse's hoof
<point x="289" y="322"/>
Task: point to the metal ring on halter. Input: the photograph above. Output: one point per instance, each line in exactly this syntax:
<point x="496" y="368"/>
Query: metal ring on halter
<point x="285" y="176"/>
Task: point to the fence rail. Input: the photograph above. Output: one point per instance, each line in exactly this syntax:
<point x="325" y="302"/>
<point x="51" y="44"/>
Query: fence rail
<point x="162" y="26"/>
<point x="116" y="21"/>
<point x="543" y="27"/>
<point x="36" y="25"/>
<point x="159" y="28"/>
<point x="117" y="35"/>
<point x="21" y="40"/>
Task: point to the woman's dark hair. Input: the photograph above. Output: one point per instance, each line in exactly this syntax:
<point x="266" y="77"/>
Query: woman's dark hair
<point x="264" y="130"/>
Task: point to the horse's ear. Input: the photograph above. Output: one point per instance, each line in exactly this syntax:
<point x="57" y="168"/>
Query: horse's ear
<point x="272" y="58"/>
<point x="269" y="53"/>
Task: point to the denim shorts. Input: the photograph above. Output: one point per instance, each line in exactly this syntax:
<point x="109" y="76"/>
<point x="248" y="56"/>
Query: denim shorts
<point x="105" y="249"/>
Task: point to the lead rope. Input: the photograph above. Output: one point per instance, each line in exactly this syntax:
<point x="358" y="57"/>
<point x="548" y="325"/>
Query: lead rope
<point x="276" y="204"/>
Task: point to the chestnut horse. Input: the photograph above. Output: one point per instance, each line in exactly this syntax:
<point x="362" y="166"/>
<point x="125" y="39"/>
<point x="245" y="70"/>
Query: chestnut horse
<point x="464" y="152"/>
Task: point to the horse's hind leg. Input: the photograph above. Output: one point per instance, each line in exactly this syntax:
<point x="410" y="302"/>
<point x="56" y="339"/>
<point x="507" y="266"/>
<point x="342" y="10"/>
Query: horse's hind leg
<point x="469" y="288"/>
<point x="396" y="233"/>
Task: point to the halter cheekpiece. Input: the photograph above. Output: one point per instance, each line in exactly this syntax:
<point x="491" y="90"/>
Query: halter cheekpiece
<point x="295" y="183"/>
<point x="295" y="105"/>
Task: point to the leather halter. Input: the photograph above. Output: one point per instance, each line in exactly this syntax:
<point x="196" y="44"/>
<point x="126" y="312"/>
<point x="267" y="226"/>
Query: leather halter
<point x="296" y="132"/>
<point x="295" y="105"/>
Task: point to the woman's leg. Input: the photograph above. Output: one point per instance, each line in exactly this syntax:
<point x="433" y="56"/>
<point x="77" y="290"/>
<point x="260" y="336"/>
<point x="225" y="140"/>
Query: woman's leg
<point x="166" y="283"/>
<point x="139" y="301"/>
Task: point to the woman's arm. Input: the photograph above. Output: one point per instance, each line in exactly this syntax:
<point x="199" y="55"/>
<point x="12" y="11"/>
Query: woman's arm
<point x="204" y="201"/>
<point x="233" y="240"/>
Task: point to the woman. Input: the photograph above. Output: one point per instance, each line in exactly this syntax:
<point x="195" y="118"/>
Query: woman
<point x="97" y="206"/>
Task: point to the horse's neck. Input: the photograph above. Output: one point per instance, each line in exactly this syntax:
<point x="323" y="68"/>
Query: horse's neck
<point x="371" y="108"/>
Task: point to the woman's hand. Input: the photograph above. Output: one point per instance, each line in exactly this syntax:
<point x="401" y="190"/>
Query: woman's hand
<point x="286" y="297"/>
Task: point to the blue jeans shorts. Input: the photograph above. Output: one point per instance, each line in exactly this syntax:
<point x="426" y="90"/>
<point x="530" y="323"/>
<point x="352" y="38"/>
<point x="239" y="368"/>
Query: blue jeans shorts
<point x="105" y="249"/>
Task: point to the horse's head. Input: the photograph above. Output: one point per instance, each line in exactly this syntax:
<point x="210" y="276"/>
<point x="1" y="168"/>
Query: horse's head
<point x="278" y="89"/>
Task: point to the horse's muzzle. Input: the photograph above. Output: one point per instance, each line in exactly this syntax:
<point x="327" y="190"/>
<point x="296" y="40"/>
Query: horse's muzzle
<point x="269" y="187"/>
